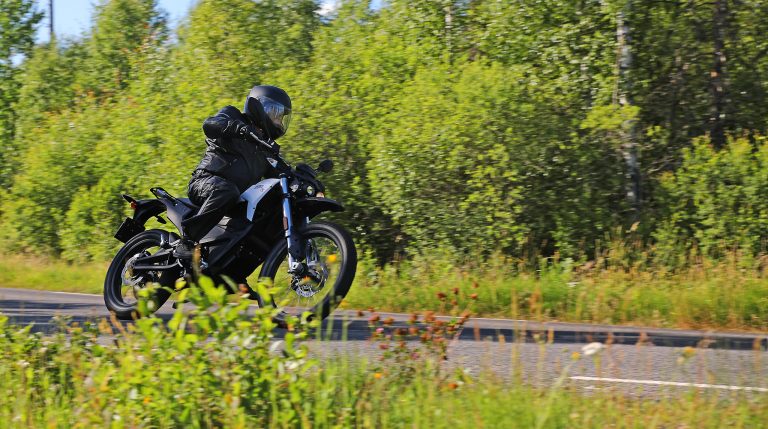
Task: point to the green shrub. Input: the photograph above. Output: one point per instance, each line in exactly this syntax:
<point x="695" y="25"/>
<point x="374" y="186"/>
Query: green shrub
<point x="715" y="203"/>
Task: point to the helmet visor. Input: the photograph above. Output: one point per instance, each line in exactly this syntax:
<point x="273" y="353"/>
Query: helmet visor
<point x="277" y="112"/>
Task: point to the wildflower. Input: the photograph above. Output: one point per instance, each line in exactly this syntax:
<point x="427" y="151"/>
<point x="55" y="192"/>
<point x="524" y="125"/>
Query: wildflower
<point x="688" y="352"/>
<point x="384" y="346"/>
<point x="377" y="375"/>
<point x="388" y="321"/>
<point x="473" y="296"/>
<point x="455" y="291"/>
<point x="414" y="318"/>
<point x="575" y="356"/>
<point x="592" y="348"/>
<point x="274" y="347"/>
<point x="475" y="285"/>
<point x="441" y="296"/>
<point x="685" y="354"/>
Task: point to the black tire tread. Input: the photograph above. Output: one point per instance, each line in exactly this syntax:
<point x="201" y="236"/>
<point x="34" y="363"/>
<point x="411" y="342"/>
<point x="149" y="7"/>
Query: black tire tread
<point x="113" y="298"/>
<point x="346" y="276"/>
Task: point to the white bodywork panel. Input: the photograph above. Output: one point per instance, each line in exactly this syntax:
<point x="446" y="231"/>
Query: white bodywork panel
<point x="255" y="193"/>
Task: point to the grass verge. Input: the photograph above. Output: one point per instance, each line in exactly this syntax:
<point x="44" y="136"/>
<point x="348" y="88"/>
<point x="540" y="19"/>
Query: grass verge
<point x="27" y="272"/>
<point x="716" y="296"/>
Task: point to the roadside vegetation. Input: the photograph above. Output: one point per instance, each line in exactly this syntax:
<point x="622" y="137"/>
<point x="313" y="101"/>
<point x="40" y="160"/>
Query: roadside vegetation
<point x="559" y="178"/>
<point x="481" y="127"/>
<point x="215" y="366"/>
<point x="712" y="295"/>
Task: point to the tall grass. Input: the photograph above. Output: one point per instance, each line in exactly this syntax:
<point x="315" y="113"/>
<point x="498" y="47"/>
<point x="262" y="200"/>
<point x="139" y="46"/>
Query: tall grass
<point x="619" y="287"/>
<point x="217" y="366"/>
<point x="722" y="295"/>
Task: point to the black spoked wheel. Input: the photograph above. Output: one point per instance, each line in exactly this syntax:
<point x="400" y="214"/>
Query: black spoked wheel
<point x="331" y="261"/>
<point x="122" y="285"/>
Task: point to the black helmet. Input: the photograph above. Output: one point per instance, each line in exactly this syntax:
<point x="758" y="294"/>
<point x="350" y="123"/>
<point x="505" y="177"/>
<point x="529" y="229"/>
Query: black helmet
<point x="269" y="108"/>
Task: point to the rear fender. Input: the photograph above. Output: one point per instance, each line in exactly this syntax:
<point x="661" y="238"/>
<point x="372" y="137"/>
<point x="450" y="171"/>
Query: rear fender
<point x="142" y="211"/>
<point x="146" y="209"/>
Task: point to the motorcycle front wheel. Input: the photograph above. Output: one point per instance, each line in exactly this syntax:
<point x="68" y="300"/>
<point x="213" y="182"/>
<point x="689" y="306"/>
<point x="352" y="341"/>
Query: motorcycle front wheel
<point x="331" y="261"/>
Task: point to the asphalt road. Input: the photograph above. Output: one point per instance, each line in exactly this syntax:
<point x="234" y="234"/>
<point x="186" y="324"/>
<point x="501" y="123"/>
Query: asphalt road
<point x="637" y="360"/>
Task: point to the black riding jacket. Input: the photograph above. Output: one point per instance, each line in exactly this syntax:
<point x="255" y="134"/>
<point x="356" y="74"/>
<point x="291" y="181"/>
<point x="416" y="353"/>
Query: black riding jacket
<point x="230" y="156"/>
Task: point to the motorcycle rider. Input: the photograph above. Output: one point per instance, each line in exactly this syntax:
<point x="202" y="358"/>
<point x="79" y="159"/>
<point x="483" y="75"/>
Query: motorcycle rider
<point x="235" y="159"/>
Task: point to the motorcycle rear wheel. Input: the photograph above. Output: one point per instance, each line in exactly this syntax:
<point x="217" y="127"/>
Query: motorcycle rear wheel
<point x="121" y="287"/>
<point x="332" y="260"/>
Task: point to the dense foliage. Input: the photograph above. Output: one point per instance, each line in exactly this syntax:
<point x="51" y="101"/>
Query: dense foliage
<point x="475" y="126"/>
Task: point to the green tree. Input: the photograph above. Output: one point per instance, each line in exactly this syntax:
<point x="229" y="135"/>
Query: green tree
<point x="122" y="29"/>
<point x="18" y="21"/>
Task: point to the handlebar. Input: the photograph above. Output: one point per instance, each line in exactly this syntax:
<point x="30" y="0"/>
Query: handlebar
<point x="269" y="145"/>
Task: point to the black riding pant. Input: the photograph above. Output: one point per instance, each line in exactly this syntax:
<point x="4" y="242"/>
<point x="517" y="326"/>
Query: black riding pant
<point x="215" y="195"/>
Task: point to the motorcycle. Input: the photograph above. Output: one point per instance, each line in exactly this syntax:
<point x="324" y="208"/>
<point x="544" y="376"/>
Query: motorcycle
<point x="310" y="264"/>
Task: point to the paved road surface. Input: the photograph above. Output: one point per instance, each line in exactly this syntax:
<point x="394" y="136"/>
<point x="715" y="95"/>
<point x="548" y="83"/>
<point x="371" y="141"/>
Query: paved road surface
<point x="639" y="360"/>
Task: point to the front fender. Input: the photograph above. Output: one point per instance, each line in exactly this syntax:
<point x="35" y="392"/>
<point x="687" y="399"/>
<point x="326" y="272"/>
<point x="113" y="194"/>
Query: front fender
<point x="313" y="206"/>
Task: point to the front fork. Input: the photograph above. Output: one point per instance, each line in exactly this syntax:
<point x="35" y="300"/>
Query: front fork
<point x="295" y="249"/>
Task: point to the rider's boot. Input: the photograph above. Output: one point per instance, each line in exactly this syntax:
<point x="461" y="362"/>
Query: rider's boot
<point x="184" y="250"/>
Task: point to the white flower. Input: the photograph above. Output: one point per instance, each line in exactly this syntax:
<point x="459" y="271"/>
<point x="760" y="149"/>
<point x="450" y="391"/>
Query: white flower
<point x="592" y="349"/>
<point x="292" y="365"/>
<point x="276" y="346"/>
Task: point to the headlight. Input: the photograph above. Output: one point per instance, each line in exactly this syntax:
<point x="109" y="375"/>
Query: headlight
<point x="320" y="195"/>
<point x="310" y="190"/>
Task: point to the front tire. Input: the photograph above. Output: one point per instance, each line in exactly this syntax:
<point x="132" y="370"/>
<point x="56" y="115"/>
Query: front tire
<point x="332" y="258"/>
<point x="121" y="286"/>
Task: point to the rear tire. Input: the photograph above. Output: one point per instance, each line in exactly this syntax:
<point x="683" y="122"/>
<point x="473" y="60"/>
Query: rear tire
<point x="114" y="284"/>
<point x="342" y="270"/>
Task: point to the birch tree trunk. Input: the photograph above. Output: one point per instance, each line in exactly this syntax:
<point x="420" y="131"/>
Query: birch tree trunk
<point x="718" y="83"/>
<point x="629" y="149"/>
